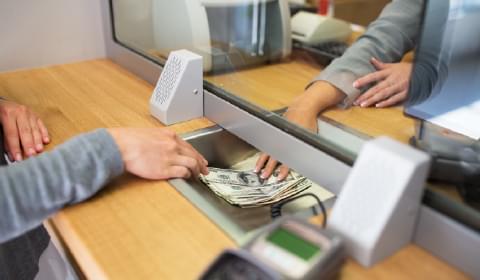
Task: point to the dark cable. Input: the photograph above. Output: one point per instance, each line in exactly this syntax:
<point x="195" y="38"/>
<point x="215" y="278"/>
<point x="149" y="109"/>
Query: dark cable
<point x="276" y="209"/>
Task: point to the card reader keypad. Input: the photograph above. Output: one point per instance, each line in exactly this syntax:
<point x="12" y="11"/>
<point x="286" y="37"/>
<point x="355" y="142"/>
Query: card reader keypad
<point x="233" y="267"/>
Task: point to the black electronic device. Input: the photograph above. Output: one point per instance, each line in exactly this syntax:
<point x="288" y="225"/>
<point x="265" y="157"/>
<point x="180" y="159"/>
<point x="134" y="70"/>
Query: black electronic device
<point x="323" y="53"/>
<point x="455" y="158"/>
<point x="295" y="8"/>
<point x="289" y="248"/>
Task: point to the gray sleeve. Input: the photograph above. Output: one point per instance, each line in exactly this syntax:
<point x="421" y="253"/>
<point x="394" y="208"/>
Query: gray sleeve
<point x="388" y="38"/>
<point x="33" y="189"/>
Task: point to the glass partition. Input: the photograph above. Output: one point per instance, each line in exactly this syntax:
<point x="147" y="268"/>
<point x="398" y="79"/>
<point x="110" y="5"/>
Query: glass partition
<point x="263" y="55"/>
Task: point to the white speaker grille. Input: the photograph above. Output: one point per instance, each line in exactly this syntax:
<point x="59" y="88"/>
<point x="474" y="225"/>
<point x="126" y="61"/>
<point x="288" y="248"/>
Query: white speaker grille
<point x="168" y="79"/>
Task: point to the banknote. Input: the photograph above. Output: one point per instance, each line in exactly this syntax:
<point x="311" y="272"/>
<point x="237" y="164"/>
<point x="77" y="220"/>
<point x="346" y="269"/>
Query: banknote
<point x="245" y="188"/>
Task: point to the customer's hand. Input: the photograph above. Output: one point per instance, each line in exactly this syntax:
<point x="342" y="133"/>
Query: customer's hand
<point x="158" y="153"/>
<point x="392" y="80"/>
<point x="303" y="112"/>
<point x="24" y="132"/>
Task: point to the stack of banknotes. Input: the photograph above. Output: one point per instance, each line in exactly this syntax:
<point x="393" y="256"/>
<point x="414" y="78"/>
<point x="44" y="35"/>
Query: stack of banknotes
<point x="246" y="189"/>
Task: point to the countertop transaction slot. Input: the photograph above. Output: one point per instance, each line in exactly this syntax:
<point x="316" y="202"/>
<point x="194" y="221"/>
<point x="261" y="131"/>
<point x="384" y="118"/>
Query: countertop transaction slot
<point x="222" y="150"/>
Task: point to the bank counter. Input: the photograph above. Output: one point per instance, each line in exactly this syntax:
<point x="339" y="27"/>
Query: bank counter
<point x="141" y="229"/>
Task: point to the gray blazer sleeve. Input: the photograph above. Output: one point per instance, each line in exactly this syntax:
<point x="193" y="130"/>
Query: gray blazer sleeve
<point x="388" y="38"/>
<point x="33" y="189"/>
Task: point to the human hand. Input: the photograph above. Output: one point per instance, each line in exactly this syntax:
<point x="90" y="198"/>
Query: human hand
<point x="267" y="164"/>
<point x="24" y="132"/>
<point x="392" y="80"/>
<point x="303" y="112"/>
<point x="157" y="153"/>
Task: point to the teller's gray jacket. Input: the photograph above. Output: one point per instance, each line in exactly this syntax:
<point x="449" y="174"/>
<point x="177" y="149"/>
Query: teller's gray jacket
<point x="388" y="38"/>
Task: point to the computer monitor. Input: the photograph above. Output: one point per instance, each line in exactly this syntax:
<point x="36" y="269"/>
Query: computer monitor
<point x="445" y="83"/>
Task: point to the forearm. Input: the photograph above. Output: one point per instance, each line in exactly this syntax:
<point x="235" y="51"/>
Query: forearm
<point x="33" y="189"/>
<point x="317" y="97"/>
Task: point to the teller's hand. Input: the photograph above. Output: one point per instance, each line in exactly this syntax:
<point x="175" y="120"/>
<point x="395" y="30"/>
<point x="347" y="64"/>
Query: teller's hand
<point x="266" y="164"/>
<point x="303" y="112"/>
<point x="392" y="80"/>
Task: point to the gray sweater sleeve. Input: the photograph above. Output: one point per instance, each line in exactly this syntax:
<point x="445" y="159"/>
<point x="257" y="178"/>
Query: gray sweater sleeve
<point x="33" y="189"/>
<point x="388" y="38"/>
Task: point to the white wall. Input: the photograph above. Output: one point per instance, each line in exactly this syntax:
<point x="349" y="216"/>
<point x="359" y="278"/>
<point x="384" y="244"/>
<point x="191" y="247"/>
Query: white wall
<point x="37" y="33"/>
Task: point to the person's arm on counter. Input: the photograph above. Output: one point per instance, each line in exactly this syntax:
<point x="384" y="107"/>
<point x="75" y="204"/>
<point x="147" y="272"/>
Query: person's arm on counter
<point x="33" y="189"/>
<point x="388" y="38"/>
<point x="303" y="111"/>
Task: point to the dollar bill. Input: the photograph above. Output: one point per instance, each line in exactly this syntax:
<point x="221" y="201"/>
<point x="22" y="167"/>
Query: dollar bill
<point x="245" y="188"/>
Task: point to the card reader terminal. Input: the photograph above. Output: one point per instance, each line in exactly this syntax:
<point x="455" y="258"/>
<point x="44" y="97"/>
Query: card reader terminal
<point x="289" y="248"/>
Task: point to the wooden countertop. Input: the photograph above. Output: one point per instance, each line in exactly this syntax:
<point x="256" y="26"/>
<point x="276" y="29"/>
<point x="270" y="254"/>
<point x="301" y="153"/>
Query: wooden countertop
<point x="139" y="229"/>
